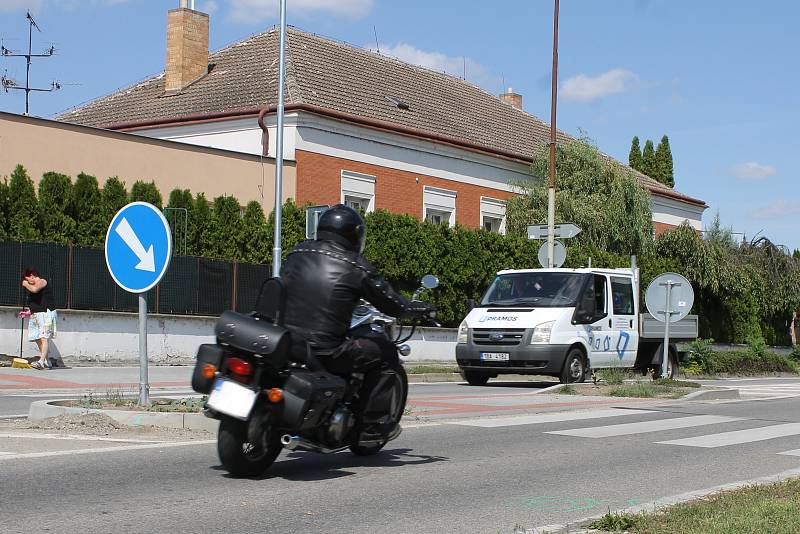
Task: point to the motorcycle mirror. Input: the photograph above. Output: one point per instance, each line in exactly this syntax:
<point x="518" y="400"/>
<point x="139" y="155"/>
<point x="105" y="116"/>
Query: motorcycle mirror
<point x="430" y="282"/>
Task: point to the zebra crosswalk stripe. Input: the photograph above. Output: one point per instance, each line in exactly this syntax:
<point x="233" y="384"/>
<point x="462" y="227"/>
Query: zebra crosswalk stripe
<point x="795" y="452"/>
<point x="495" y="422"/>
<point x="737" y="437"/>
<point x="643" y="427"/>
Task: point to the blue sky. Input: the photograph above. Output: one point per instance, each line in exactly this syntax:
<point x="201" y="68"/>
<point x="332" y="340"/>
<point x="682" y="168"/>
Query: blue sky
<point x="718" y="78"/>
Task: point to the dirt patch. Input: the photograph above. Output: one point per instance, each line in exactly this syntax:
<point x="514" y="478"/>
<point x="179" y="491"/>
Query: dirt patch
<point x="98" y="424"/>
<point x="185" y="405"/>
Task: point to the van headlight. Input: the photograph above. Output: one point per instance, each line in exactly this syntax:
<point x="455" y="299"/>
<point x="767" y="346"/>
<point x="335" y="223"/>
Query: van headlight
<point x="541" y="332"/>
<point x="463" y="332"/>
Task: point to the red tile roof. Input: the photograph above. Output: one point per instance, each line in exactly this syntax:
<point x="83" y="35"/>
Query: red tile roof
<point x="327" y="76"/>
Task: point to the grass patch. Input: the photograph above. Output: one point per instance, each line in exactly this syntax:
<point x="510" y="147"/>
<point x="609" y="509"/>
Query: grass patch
<point x="612" y="522"/>
<point x="655" y="388"/>
<point x="120" y="399"/>
<point x="612" y="376"/>
<point x="432" y="368"/>
<point x="770" y="508"/>
<point x="567" y="389"/>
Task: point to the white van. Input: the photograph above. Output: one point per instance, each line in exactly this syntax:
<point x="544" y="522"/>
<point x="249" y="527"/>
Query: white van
<point x="564" y="323"/>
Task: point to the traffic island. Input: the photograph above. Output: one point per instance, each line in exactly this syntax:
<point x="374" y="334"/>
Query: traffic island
<point x="130" y="415"/>
<point x="655" y="389"/>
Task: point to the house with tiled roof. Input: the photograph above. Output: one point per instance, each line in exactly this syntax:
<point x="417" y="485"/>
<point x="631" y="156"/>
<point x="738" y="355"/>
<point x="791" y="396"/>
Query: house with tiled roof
<point x="360" y="127"/>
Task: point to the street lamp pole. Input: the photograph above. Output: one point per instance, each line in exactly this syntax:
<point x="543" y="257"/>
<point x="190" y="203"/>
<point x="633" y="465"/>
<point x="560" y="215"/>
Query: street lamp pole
<point x="276" y="250"/>
<point x="551" y="186"/>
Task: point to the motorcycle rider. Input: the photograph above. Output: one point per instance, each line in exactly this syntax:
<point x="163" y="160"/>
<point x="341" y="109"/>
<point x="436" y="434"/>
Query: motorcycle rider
<point x="325" y="279"/>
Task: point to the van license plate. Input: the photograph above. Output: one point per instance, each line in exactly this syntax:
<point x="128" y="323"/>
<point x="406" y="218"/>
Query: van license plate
<point x="231" y="399"/>
<point x="495" y="356"/>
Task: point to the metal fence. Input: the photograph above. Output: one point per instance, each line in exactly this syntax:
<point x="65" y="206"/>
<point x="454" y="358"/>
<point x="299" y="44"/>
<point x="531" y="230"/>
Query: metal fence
<point x="80" y="281"/>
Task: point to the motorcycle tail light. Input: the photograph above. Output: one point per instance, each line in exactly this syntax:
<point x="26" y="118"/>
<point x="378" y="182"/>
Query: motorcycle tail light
<point x="209" y="371"/>
<point x="240" y="367"/>
<point x="275" y="395"/>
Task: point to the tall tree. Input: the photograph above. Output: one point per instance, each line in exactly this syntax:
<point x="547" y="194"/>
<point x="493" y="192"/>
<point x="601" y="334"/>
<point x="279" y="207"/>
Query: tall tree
<point x="224" y="233"/>
<point x="3" y="208"/>
<point x="146" y="192"/>
<point x="199" y="222"/>
<point x="114" y="196"/>
<point x="55" y="208"/>
<point x="22" y="210"/>
<point x="649" y="163"/>
<point x="664" y="162"/>
<point x="88" y="212"/>
<point x="635" y="155"/>
<point x="255" y="237"/>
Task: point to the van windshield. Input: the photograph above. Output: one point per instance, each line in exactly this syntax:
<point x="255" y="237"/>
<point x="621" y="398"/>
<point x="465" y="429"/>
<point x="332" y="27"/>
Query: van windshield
<point x="545" y="289"/>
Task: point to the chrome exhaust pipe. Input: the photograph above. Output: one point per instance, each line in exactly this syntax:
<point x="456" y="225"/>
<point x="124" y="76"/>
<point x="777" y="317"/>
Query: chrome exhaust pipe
<point x="297" y="443"/>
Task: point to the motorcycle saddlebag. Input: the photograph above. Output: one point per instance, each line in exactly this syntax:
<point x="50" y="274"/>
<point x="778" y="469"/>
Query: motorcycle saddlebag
<point x="255" y="336"/>
<point x="206" y="354"/>
<point x="308" y="396"/>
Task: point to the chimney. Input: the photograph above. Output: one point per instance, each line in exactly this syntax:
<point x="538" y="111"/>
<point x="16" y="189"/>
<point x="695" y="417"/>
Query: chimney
<point x="512" y="98"/>
<point x="187" y="47"/>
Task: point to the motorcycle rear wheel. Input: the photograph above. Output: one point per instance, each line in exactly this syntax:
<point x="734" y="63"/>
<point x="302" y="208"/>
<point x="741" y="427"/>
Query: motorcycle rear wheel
<point x="369" y="450"/>
<point x="242" y="458"/>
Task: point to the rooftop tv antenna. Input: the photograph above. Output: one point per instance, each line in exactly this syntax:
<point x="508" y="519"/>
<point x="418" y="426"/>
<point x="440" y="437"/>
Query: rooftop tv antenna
<point x="8" y="83"/>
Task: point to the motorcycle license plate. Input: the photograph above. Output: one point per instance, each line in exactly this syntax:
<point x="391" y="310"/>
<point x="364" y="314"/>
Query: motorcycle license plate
<point x="231" y="399"/>
<point x="495" y="356"/>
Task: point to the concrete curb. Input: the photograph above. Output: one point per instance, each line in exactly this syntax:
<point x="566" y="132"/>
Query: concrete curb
<point x="192" y="421"/>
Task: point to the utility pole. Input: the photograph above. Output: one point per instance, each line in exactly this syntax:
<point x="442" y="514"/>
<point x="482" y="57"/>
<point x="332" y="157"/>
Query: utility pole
<point x="551" y="186"/>
<point x="8" y="83"/>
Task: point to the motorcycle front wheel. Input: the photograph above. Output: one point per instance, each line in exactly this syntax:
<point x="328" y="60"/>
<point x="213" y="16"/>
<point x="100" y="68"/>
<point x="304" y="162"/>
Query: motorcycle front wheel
<point x="241" y="457"/>
<point x="402" y="389"/>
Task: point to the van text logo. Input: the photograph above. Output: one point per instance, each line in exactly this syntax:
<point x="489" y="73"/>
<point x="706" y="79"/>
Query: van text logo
<point x="497" y="318"/>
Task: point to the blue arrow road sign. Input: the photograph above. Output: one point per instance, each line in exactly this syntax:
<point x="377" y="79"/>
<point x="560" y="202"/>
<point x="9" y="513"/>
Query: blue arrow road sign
<point x="138" y="247"/>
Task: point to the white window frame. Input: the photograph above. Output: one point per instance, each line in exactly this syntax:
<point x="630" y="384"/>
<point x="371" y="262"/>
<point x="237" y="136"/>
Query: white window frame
<point x="358" y="185"/>
<point x="437" y="199"/>
<point x="496" y="209"/>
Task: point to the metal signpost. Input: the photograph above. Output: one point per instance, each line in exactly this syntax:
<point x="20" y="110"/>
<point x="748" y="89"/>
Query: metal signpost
<point x="138" y="251"/>
<point x="552" y="254"/>
<point x="669" y="298"/>
<point x="276" y="247"/>
<point x="313" y="213"/>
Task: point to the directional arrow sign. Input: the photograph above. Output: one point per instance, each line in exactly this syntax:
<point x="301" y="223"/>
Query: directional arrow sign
<point x="138" y="247"/>
<point x="563" y="231"/>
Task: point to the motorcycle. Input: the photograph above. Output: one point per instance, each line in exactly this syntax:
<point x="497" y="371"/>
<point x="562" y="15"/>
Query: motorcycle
<point x="269" y="396"/>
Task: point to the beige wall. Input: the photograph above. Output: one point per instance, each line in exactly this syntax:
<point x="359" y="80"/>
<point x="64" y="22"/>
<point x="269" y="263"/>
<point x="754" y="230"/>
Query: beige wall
<point x="43" y="145"/>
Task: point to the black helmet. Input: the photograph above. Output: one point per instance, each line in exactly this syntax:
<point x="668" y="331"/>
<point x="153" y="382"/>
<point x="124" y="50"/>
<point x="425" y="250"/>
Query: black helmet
<point x="343" y="225"/>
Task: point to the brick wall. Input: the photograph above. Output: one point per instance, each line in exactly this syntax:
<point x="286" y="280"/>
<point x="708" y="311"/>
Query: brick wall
<point x="660" y="228"/>
<point x="319" y="182"/>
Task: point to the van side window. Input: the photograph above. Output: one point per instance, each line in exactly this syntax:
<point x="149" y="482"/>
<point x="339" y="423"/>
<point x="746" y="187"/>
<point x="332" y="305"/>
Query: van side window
<point x="622" y="295"/>
<point x="600" y="294"/>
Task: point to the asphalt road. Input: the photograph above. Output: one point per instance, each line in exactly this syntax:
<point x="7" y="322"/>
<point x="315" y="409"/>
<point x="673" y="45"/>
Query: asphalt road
<point x="468" y="475"/>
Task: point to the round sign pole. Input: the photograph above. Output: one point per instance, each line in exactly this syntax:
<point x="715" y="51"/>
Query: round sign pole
<point x="668" y="317"/>
<point x="144" y="383"/>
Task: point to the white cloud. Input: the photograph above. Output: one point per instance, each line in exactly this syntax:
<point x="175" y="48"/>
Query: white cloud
<point x="752" y="170"/>
<point x="249" y="11"/>
<point x="454" y="66"/>
<point x="585" y="88"/>
<point x="777" y="210"/>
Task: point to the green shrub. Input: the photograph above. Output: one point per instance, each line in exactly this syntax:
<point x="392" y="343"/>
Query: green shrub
<point x="748" y="363"/>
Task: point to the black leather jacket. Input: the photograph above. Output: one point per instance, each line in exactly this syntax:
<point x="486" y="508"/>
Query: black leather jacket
<point x="324" y="283"/>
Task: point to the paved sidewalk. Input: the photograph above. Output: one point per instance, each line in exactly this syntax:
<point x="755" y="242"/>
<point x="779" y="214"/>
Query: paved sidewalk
<point x="95" y="378"/>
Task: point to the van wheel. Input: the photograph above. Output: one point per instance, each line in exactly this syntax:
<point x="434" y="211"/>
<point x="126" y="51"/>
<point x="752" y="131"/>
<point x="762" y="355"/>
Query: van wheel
<point x="672" y="364"/>
<point x="475" y="378"/>
<point x="574" y="370"/>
